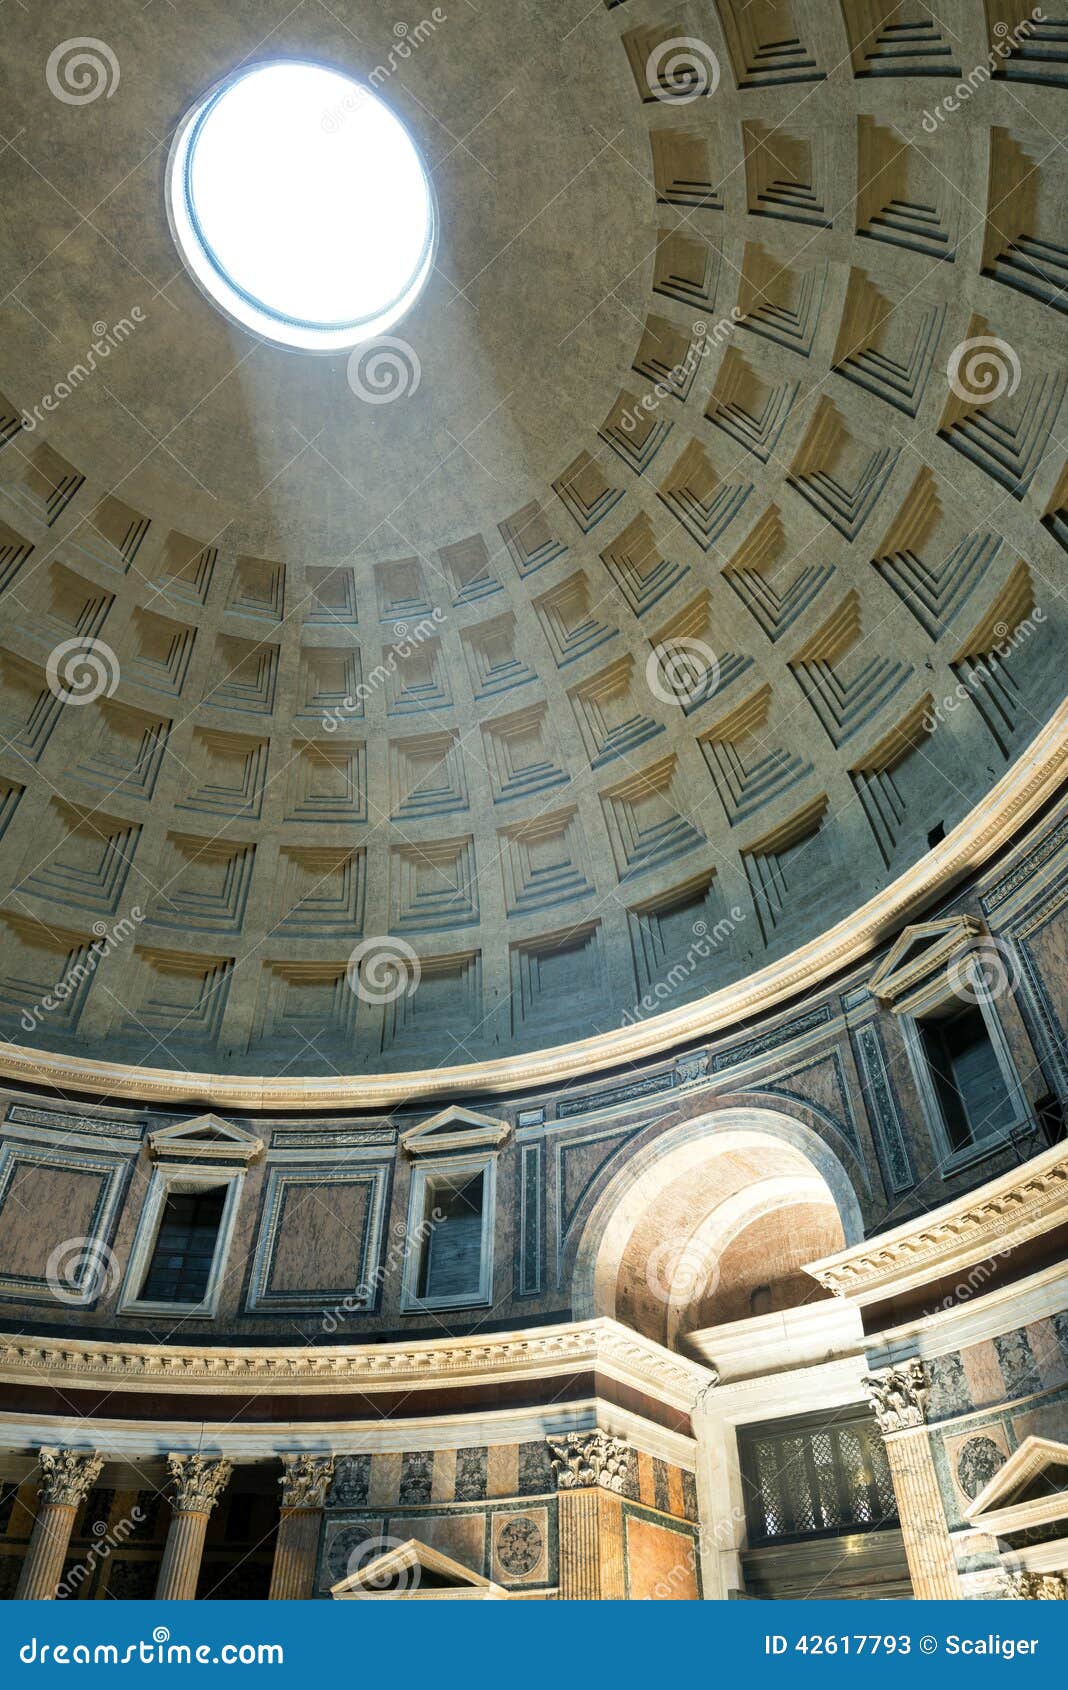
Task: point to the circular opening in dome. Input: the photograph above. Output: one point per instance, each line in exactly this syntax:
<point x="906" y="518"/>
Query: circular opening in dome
<point x="301" y="205"/>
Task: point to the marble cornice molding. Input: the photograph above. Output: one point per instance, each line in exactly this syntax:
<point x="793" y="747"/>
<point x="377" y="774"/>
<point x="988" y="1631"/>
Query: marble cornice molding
<point x="1028" y="1200"/>
<point x="602" y="1345"/>
<point x="1031" y="782"/>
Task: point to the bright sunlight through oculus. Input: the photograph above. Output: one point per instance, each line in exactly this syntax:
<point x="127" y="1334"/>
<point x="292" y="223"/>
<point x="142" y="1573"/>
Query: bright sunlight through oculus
<point x="301" y="205"/>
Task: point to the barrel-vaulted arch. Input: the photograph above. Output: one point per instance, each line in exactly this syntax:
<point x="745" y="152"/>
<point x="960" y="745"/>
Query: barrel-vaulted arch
<point x="712" y="1222"/>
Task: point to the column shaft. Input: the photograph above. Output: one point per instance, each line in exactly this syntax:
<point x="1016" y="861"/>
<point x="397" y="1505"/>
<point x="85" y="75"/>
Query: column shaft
<point x="928" y="1546"/>
<point x="591" y="1546"/>
<point x="43" y="1567"/>
<point x="293" y="1573"/>
<point x="180" y="1567"/>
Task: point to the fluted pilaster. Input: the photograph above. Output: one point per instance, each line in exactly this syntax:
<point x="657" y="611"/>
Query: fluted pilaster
<point x="900" y="1397"/>
<point x="591" y="1470"/>
<point x="305" y="1481"/>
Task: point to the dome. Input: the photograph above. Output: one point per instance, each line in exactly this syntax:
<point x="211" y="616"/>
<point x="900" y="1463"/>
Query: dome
<point x="662" y="573"/>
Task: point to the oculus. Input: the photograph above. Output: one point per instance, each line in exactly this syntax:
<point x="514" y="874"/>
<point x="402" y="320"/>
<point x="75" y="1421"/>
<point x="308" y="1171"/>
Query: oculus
<point x="301" y="205"/>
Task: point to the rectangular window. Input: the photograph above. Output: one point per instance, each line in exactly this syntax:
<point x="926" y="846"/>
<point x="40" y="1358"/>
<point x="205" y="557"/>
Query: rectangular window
<point x="451" y="1213"/>
<point x="451" y="1266"/>
<point x="181" y="1262"/>
<point x="808" y="1478"/>
<point x="967" y="1077"/>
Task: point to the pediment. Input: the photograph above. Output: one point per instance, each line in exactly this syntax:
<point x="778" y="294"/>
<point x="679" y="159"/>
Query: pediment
<point x="205" y="1138"/>
<point x="455" y="1128"/>
<point x="1030" y="1489"/>
<point x="413" y="1571"/>
<point x="920" y="951"/>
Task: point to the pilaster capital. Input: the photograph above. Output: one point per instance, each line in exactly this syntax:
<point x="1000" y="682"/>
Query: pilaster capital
<point x="899" y="1396"/>
<point x="68" y="1475"/>
<point x="198" y="1482"/>
<point x="305" y="1480"/>
<point x="586" y="1460"/>
<point x="1026" y="1586"/>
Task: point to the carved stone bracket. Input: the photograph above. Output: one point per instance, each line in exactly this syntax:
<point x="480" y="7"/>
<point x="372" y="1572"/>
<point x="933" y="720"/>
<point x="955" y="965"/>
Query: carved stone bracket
<point x="899" y="1396"/>
<point x="67" y="1475"/>
<point x="305" y="1480"/>
<point x="198" y="1482"/>
<point x="584" y="1460"/>
<point x="1037" y="1587"/>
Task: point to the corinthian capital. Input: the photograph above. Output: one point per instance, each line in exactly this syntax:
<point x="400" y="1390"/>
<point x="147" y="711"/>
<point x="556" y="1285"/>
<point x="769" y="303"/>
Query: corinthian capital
<point x="305" y="1480"/>
<point x="583" y="1460"/>
<point x="198" y="1482"/>
<point x="68" y="1475"/>
<point x="1037" y="1587"/>
<point x="899" y="1396"/>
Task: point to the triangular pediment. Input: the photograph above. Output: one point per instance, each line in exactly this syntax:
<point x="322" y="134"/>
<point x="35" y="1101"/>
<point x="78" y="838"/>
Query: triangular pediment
<point x="1031" y="1488"/>
<point x="455" y="1128"/>
<point x="414" y="1571"/>
<point x="205" y="1138"/>
<point x="920" y="951"/>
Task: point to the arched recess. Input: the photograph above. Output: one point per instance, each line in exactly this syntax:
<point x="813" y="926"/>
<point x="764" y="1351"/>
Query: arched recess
<point x="718" y="1210"/>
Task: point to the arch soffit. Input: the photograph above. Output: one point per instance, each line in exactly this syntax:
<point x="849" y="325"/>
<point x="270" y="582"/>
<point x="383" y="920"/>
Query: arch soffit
<point x="650" y="1171"/>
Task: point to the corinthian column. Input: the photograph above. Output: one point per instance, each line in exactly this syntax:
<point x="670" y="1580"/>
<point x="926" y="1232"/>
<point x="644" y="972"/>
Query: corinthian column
<point x="305" y="1481"/>
<point x="591" y="1470"/>
<point x="67" y="1476"/>
<point x="198" y="1484"/>
<point x="899" y="1397"/>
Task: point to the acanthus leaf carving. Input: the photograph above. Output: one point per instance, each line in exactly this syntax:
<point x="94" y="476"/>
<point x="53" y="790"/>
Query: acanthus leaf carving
<point x="899" y="1396"/>
<point x="585" y="1460"/>
<point x="198" y="1482"/>
<point x="305" y="1480"/>
<point x="67" y="1475"/>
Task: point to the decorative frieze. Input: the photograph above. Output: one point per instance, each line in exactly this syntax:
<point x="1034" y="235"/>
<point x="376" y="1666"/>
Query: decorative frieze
<point x="899" y="1396"/>
<point x="602" y="1344"/>
<point x="589" y="1460"/>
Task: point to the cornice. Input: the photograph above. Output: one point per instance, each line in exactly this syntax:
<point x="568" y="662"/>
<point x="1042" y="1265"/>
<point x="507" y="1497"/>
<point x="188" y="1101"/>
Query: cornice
<point x="1028" y="1200"/>
<point x="603" y="1345"/>
<point x="1033" y="779"/>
